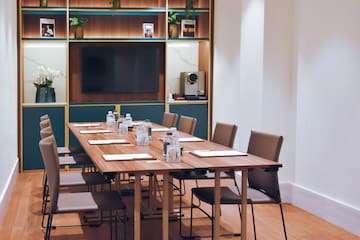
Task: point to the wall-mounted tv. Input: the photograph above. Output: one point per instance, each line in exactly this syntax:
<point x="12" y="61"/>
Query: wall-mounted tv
<point x="121" y="68"/>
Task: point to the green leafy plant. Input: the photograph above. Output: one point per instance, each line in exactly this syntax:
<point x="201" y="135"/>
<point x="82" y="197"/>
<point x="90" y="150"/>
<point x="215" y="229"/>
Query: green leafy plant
<point x="172" y="18"/>
<point x="189" y="5"/>
<point x="115" y="3"/>
<point x="76" y="21"/>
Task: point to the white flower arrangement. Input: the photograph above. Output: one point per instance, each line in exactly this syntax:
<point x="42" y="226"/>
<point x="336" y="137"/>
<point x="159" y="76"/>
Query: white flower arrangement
<point x="45" y="77"/>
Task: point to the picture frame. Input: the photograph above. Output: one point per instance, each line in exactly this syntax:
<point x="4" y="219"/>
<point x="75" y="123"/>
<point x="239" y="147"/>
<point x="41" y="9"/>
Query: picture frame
<point x="47" y="27"/>
<point x="188" y="28"/>
<point x="148" y="30"/>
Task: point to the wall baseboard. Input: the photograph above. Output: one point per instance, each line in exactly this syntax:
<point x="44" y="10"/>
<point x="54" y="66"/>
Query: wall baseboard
<point x="338" y="213"/>
<point x="6" y="193"/>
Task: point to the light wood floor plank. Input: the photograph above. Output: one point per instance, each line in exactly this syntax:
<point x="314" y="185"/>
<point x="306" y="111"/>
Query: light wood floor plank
<point x="22" y="220"/>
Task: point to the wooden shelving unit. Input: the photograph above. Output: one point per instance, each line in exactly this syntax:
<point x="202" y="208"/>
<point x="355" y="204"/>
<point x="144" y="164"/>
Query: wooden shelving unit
<point x="107" y="26"/>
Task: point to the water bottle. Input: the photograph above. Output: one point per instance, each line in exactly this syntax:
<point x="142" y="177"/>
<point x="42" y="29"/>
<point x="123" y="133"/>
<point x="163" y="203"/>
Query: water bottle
<point x="128" y="120"/>
<point x="167" y="141"/>
<point x="142" y="138"/>
<point x="149" y="127"/>
<point x="110" y="120"/>
<point x="174" y="148"/>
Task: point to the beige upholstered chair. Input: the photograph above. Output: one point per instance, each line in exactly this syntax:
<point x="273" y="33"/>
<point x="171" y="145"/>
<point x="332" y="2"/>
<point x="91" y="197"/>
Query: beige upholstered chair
<point x="79" y="159"/>
<point x="62" y="203"/>
<point x="169" y="119"/>
<point x="263" y="184"/>
<point x="69" y="179"/>
<point x="187" y="124"/>
<point x="224" y="134"/>
<point x="46" y="122"/>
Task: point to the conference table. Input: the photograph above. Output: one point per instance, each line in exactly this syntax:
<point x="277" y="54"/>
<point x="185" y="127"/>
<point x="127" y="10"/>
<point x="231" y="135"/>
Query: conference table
<point x="111" y="152"/>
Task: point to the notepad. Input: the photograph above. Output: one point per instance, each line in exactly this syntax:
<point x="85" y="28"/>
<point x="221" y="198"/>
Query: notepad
<point x="86" y="124"/>
<point x="217" y="153"/>
<point x="160" y="129"/>
<point x="190" y="139"/>
<point x="133" y="156"/>
<point x="107" y="141"/>
<point x="96" y="131"/>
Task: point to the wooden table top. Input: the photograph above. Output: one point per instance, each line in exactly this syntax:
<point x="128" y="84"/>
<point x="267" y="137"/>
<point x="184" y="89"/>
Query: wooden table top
<point x="155" y="148"/>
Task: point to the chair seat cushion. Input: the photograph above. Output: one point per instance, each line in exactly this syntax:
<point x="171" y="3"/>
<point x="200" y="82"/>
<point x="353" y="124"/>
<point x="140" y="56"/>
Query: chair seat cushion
<point x="229" y="195"/>
<point x="81" y="178"/>
<point x="206" y="194"/>
<point x="63" y="150"/>
<point x="109" y="200"/>
<point x="66" y="160"/>
<point x="81" y="201"/>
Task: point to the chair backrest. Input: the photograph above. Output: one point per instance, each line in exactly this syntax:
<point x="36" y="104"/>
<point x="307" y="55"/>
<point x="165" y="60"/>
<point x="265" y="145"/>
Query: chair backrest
<point x="224" y="134"/>
<point x="44" y="117"/>
<point x="265" y="180"/>
<point x="169" y="119"/>
<point x="187" y="124"/>
<point x="45" y="123"/>
<point x="46" y="132"/>
<point x="51" y="163"/>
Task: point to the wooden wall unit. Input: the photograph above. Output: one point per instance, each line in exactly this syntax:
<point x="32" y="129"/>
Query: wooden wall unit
<point x="107" y="26"/>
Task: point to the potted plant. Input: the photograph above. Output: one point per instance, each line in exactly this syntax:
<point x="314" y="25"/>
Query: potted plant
<point x="43" y="83"/>
<point x="189" y="5"/>
<point x="173" y="24"/>
<point x="43" y="3"/>
<point x="77" y="23"/>
<point x="115" y="3"/>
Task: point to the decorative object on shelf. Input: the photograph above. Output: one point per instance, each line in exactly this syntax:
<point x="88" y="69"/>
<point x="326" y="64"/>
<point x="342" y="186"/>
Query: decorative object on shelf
<point x="43" y="83"/>
<point x="116" y="3"/>
<point x="45" y="95"/>
<point x="47" y="27"/>
<point x="77" y="23"/>
<point x="43" y="3"/>
<point x="189" y="5"/>
<point x="188" y="28"/>
<point x="148" y="29"/>
<point x="173" y="25"/>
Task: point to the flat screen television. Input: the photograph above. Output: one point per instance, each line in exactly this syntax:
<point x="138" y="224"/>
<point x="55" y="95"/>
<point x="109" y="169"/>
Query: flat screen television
<point x="121" y="68"/>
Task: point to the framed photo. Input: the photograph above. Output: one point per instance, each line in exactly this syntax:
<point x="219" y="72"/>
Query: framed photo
<point x="148" y="30"/>
<point x="47" y="28"/>
<point x="188" y="28"/>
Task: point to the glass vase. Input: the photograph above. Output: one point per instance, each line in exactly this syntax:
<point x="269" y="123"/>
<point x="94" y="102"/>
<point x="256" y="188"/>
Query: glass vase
<point x="45" y="95"/>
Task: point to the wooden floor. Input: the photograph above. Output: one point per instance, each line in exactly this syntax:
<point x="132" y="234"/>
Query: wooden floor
<point x="22" y="220"/>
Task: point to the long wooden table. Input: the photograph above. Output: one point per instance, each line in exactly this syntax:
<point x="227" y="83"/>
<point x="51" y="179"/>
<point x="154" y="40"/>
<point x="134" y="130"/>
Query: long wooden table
<point x="160" y="167"/>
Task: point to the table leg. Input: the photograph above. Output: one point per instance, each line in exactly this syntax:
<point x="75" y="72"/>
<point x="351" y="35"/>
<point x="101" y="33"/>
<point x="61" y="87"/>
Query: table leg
<point x="217" y="205"/>
<point x="165" y="210"/>
<point x="137" y="206"/>
<point x="244" y="178"/>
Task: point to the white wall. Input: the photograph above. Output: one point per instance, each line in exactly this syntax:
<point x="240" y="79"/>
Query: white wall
<point x="296" y="73"/>
<point x="8" y="99"/>
<point x="328" y="101"/>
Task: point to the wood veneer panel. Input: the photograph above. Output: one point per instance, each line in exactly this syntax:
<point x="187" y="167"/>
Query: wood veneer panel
<point x="31" y="25"/>
<point x="121" y="26"/>
<point x="124" y="3"/>
<point x="51" y="3"/>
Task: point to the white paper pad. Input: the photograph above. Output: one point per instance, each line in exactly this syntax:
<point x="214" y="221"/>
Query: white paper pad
<point x="134" y="156"/>
<point x="160" y="129"/>
<point x="217" y="153"/>
<point x="86" y="124"/>
<point x="107" y="141"/>
<point x="96" y="131"/>
<point x="190" y="139"/>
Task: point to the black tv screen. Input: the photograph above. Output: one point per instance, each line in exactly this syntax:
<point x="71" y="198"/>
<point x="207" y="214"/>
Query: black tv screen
<point x="121" y="68"/>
